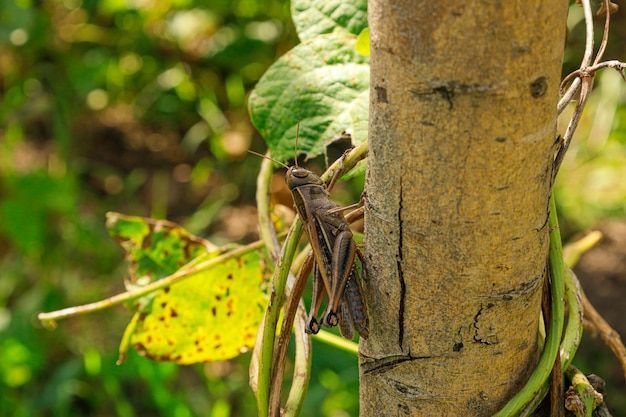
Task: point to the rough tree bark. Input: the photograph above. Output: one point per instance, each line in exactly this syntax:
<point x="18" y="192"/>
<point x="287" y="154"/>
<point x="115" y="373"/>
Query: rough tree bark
<point x="462" y="133"/>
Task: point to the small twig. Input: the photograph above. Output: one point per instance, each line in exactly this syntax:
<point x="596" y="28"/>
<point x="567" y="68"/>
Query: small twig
<point x="605" y="34"/>
<point x="590" y="71"/>
<point x="586" y="60"/>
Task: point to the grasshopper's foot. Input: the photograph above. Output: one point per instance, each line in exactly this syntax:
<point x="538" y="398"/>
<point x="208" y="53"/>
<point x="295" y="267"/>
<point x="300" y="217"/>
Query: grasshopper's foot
<point x="331" y="319"/>
<point x="313" y="326"/>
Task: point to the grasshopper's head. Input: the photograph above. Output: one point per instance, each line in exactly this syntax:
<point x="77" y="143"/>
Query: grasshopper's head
<point x="297" y="176"/>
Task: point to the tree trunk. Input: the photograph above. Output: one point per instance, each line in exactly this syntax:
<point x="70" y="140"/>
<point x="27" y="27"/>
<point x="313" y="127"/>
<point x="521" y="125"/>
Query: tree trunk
<point x="462" y="133"/>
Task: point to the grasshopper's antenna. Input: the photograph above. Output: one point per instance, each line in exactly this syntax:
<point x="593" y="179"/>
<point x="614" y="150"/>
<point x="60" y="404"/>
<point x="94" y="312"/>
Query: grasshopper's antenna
<point x="295" y="150"/>
<point x="267" y="157"/>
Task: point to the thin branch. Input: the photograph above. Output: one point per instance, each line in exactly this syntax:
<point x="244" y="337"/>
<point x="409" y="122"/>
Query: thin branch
<point x="605" y="34"/>
<point x="586" y="60"/>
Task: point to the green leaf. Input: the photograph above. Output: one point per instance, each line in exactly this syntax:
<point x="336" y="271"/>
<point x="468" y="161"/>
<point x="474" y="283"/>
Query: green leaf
<point x="213" y="314"/>
<point x="313" y="18"/>
<point x="154" y="248"/>
<point x="323" y="82"/>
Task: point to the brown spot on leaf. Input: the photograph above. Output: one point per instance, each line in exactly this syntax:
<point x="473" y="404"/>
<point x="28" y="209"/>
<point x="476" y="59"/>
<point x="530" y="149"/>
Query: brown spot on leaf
<point x="173" y="313"/>
<point x="140" y="348"/>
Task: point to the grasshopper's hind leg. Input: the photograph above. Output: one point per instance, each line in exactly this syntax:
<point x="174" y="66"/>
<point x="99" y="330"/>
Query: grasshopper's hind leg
<point x="313" y="325"/>
<point x="343" y="262"/>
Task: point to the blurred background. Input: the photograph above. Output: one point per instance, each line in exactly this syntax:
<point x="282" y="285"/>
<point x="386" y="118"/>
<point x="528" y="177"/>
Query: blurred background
<point x="139" y="106"/>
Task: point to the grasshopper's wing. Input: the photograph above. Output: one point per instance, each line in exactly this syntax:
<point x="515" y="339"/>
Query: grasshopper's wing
<point x="345" y="320"/>
<point x="353" y="299"/>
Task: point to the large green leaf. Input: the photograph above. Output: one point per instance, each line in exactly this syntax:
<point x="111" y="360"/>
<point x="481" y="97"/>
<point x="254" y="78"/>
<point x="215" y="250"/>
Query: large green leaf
<point x="314" y="18"/>
<point x="324" y="83"/>
<point x="213" y="314"/>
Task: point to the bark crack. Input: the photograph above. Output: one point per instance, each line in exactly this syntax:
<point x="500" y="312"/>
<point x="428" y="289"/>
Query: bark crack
<point x="484" y="335"/>
<point x="387" y="363"/>
<point x="399" y="262"/>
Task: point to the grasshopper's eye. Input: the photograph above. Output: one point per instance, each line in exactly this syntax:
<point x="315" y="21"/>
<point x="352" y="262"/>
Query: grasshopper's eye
<point x="300" y="173"/>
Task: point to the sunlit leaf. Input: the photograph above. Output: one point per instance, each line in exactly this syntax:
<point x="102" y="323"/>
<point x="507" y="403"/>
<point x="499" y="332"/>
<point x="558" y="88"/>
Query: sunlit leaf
<point x="324" y="83"/>
<point x="314" y="18"/>
<point x="213" y="314"/>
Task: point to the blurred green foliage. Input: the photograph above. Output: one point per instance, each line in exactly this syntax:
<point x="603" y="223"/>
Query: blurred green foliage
<point x="139" y="106"/>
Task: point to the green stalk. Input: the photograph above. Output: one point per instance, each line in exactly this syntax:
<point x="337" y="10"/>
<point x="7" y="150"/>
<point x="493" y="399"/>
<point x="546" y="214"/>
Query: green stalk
<point x="574" y="329"/>
<point x="338" y="342"/>
<point x="266" y="228"/>
<point x="302" y="365"/>
<point x="270" y="320"/>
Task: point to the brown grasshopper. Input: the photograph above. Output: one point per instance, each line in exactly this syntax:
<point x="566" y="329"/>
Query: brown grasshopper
<point x="334" y="252"/>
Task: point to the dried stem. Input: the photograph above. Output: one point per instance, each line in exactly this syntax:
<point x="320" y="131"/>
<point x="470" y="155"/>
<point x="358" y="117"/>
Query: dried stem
<point x="583" y="79"/>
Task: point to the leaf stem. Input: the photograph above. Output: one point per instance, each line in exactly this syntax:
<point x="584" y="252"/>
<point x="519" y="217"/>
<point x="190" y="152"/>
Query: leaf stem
<point x="266" y="228"/>
<point x="338" y="342"/>
<point x="50" y="318"/>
